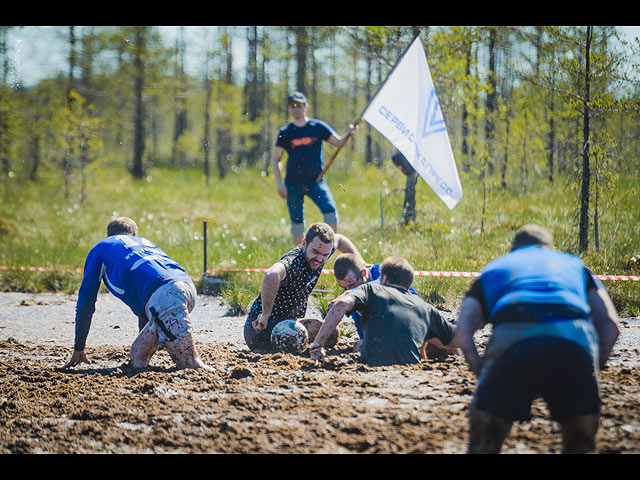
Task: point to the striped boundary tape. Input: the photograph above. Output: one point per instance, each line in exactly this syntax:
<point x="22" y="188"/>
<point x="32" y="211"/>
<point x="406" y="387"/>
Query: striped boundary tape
<point x="418" y="273"/>
<point x="428" y="273"/>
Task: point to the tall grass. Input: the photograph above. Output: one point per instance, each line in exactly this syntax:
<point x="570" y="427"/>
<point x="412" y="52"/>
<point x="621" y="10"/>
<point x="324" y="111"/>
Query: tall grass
<point x="248" y="226"/>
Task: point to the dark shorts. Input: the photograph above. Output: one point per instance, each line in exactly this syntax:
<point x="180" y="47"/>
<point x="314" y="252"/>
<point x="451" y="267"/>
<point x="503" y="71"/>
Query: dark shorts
<point x="558" y="370"/>
<point x="259" y="340"/>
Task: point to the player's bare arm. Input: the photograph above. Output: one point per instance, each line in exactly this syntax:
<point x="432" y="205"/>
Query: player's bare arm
<point x="270" y="284"/>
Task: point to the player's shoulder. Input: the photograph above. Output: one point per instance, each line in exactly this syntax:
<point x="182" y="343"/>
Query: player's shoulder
<point x="316" y="122"/>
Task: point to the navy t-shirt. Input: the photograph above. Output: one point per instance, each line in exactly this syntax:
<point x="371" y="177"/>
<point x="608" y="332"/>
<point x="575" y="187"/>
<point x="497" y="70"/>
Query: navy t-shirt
<point x="304" y="149"/>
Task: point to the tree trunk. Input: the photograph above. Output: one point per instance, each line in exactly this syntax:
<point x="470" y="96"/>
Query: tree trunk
<point x="67" y="160"/>
<point x="139" y="141"/>
<point x="586" y="174"/>
<point x="180" y="98"/>
<point x="301" y="59"/>
<point x="206" y="143"/>
<point x="223" y="133"/>
<point x="492" y="95"/>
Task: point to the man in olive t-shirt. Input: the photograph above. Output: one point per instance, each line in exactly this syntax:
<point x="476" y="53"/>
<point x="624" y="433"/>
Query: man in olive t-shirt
<point x="396" y="322"/>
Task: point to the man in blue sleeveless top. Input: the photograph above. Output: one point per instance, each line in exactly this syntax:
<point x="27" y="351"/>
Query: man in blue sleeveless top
<point x="553" y="328"/>
<point x="157" y="289"/>
<point x="302" y="139"/>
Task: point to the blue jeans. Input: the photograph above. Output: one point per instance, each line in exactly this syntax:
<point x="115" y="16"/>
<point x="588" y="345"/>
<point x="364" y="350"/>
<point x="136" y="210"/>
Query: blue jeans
<point x="320" y="194"/>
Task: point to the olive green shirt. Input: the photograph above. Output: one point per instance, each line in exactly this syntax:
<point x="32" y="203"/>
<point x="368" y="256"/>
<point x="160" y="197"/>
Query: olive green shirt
<point x="396" y="324"/>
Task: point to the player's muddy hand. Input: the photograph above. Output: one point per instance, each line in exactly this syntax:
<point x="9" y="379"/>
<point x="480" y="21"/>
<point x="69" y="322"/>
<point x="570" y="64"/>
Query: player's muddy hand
<point x="260" y="323"/>
<point x="316" y="352"/>
<point x="76" y="358"/>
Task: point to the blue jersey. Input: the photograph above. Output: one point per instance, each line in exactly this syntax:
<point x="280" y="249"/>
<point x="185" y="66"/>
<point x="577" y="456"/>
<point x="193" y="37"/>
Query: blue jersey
<point x="374" y="277"/>
<point x="132" y="269"/>
<point x="547" y="282"/>
<point x="304" y="149"/>
<point x="536" y="292"/>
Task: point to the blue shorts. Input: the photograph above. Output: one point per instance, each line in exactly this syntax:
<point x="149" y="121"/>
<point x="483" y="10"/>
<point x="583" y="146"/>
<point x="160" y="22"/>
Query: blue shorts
<point x="320" y="194"/>
<point x="556" y="369"/>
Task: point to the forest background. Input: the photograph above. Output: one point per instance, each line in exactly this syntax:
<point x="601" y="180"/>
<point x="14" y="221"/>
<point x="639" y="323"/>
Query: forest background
<point x="542" y="120"/>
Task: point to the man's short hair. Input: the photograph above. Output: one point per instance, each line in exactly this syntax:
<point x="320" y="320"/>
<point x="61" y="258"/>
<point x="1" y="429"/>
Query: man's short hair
<point x="532" y="235"/>
<point x="348" y="262"/>
<point x="122" y="226"/>
<point x="319" y="229"/>
<point x="398" y="271"/>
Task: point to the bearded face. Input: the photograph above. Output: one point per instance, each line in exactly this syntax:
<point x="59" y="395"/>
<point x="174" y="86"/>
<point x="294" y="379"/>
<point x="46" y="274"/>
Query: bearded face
<point x="317" y="252"/>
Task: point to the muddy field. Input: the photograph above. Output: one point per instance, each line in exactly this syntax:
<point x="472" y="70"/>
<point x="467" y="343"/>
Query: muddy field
<point x="273" y="403"/>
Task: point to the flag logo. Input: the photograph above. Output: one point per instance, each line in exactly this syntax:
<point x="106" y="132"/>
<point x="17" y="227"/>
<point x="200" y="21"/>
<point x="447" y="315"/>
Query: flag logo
<point x="433" y="122"/>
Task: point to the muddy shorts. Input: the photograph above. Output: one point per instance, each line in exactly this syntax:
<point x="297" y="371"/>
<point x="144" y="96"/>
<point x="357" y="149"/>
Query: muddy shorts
<point x="168" y="311"/>
<point x="555" y="369"/>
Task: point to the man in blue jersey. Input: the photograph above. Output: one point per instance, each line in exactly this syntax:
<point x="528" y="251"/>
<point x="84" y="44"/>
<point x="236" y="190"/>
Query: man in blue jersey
<point x="157" y="289"/>
<point x="302" y="139"/>
<point x="553" y="327"/>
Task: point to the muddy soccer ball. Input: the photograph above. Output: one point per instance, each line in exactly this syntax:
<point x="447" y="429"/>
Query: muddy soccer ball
<point x="313" y="327"/>
<point x="289" y="336"/>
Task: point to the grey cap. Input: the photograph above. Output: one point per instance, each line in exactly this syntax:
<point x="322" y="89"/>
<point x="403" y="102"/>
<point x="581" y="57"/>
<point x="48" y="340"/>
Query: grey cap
<point x="297" y="97"/>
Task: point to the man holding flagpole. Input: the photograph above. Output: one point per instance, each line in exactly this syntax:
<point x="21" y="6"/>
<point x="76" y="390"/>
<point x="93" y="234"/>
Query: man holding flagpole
<point x="302" y="139"/>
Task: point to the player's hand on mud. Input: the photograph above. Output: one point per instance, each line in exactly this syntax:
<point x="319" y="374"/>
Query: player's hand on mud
<point x="260" y="323"/>
<point x="317" y="355"/>
<point x="76" y="358"/>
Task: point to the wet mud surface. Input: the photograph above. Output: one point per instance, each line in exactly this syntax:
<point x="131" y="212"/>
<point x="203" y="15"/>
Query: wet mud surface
<point x="269" y="403"/>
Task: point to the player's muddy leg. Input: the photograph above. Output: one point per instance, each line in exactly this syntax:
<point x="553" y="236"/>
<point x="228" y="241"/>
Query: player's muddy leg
<point x="579" y="433"/>
<point x="143" y="348"/>
<point x="487" y="432"/>
<point x="184" y="353"/>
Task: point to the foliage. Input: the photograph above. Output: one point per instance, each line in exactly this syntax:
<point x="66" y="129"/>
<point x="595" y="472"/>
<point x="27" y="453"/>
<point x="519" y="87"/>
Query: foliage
<point x="247" y="227"/>
<point x="512" y="97"/>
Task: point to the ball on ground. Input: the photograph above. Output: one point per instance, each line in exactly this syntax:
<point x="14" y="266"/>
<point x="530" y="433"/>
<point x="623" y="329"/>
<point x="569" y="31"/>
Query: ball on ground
<point x="313" y="327"/>
<point x="289" y="336"/>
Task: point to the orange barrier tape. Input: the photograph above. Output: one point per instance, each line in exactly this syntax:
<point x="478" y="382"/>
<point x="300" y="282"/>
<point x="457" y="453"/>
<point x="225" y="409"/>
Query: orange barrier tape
<point x="418" y="273"/>
<point x="427" y="273"/>
<point x="42" y="269"/>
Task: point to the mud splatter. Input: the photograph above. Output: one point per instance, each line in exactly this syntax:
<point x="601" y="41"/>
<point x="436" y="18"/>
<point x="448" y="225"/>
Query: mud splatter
<point x="272" y="403"/>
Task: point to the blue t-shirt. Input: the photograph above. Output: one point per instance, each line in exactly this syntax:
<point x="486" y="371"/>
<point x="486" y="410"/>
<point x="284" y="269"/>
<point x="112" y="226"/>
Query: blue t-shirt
<point x="132" y="269"/>
<point x="304" y="149"/>
<point x="374" y="277"/>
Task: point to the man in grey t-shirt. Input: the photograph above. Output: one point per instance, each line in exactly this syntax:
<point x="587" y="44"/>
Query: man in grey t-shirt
<point x="396" y="322"/>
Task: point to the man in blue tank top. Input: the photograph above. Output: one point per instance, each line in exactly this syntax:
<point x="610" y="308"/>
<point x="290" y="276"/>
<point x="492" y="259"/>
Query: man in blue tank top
<point x="553" y="328"/>
<point x="156" y="289"/>
<point x="302" y="139"/>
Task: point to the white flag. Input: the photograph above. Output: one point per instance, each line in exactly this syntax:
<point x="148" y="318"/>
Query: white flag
<point x="406" y="111"/>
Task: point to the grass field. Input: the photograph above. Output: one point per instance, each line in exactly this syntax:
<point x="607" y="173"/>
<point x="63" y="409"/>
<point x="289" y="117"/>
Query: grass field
<point x="248" y="226"/>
